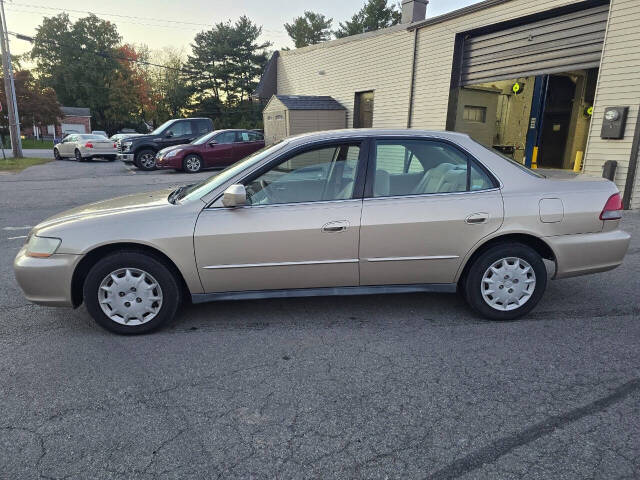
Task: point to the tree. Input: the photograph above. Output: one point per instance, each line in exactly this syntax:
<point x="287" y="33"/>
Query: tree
<point x="170" y="89"/>
<point x="309" y="29"/>
<point x="77" y="61"/>
<point x="227" y="60"/>
<point x="374" y="15"/>
<point x="37" y="105"/>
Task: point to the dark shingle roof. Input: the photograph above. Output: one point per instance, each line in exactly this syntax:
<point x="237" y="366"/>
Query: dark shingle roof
<point x="309" y="102"/>
<point x="75" y="111"/>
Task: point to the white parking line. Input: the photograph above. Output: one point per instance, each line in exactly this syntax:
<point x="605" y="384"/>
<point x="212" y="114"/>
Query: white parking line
<point x="26" y="227"/>
<point x="15" y="238"/>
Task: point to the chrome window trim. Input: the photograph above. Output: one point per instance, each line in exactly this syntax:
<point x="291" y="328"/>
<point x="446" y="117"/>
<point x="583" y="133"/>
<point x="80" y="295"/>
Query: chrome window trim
<point x="281" y="264"/>
<point x="418" y="195"/>
<point x="401" y="259"/>
<point x="319" y="202"/>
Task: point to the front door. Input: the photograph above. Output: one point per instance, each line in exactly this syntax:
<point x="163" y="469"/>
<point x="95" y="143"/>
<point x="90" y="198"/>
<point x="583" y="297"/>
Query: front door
<point x="428" y="205"/>
<point x="220" y="152"/>
<point x="299" y="229"/>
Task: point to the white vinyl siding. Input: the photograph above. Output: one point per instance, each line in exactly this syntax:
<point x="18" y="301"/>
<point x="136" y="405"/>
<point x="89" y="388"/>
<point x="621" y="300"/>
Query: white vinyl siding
<point x="381" y="63"/>
<point x="618" y="85"/>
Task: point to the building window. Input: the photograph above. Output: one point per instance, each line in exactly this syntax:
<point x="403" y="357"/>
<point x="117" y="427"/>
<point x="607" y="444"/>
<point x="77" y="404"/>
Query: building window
<point x="363" y="110"/>
<point x="475" y="114"/>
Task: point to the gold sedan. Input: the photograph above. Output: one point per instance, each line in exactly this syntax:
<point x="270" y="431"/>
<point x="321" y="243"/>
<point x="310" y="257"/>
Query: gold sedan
<point x="334" y="213"/>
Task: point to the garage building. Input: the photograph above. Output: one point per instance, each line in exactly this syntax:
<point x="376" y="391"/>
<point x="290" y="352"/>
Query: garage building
<point x="550" y="83"/>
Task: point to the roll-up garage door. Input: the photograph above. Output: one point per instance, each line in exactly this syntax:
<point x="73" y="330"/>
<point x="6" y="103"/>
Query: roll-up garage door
<point x="566" y="42"/>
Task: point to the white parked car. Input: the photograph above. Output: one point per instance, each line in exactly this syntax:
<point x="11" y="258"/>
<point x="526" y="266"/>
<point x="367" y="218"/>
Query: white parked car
<point x="85" y="146"/>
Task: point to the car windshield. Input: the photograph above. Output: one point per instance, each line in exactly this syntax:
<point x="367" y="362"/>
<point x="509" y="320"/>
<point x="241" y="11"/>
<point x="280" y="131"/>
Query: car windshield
<point x="204" y="138"/>
<point x="199" y="190"/>
<point x="159" y="130"/>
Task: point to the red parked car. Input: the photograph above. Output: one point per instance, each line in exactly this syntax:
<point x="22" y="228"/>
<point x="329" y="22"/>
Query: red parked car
<point x="215" y="149"/>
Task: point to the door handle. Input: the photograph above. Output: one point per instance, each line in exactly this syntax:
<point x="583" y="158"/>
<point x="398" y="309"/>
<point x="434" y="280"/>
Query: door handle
<point x="477" y="218"/>
<point x="334" y="227"/>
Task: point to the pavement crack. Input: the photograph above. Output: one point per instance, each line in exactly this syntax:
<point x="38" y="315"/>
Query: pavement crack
<point x="505" y="445"/>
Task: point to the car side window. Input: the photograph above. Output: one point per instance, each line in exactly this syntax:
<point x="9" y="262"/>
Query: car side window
<point x="226" y="137"/>
<point x="200" y="126"/>
<point x="415" y="167"/>
<point x="242" y="137"/>
<point x="254" y="136"/>
<point x="181" y="128"/>
<point x="321" y="174"/>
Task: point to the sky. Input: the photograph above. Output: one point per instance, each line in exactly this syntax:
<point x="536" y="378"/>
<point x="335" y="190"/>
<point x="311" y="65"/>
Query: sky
<point x="174" y="23"/>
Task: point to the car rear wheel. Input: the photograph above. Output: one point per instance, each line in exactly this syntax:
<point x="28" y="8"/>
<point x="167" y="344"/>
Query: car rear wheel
<point x="56" y="154"/>
<point x="146" y="160"/>
<point x="192" y="164"/>
<point x="506" y="282"/>
<point x="78" y="155"/>
<point x="130" y="292"/>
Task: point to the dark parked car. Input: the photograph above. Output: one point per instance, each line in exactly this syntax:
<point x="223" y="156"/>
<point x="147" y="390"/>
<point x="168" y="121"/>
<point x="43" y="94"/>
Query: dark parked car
<point x="141" y="150"/>
<point x="216" y="149"/>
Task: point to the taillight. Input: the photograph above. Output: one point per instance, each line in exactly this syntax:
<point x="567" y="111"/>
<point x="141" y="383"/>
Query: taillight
<point x="115" y="145"/>
<point x="88" y="145"/>
<point x="613" y="208"/>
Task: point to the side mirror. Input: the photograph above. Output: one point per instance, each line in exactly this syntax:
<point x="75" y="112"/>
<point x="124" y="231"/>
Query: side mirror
<point x="169" y="134"/>
<point x="213" y="142"/>
<point x="234" y="196"/>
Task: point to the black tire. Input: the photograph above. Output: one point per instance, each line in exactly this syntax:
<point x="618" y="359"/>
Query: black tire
<point x="56" y="154"/>
<point x="111" y="159"/>
<point x="192" y="163"/>
<point x="474" y="286"/>
<point x="163" y="275"/>
<point x="145" y="159"/>
<point x="78" y="155"/>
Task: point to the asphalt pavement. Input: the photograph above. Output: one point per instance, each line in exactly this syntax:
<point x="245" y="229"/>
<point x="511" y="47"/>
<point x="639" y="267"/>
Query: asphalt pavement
<point x="376" y="387"/>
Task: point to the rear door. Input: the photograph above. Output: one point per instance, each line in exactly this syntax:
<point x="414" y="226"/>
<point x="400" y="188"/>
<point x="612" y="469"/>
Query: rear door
<point x="427" y="203"/>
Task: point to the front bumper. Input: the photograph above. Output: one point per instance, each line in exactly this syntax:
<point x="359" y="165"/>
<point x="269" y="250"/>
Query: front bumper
<point x="171" y="162"/>
<point x="588" y="252"/>
<point x="125" y="157"/>
<point x="46" y="281"/>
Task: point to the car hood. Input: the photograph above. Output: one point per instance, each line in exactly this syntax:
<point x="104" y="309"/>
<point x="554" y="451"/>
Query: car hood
<point x="175" y="147"/>
<point x="113" y="206"/>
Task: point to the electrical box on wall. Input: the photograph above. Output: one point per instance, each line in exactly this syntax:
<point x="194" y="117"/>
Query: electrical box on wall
<point x="613" y="123"/>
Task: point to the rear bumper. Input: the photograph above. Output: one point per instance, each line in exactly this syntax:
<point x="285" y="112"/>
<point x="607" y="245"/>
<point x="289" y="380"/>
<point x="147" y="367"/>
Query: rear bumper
<point x="125" y="157"/>
<point x="46" y="281"/>
<point x="588" y="252"/>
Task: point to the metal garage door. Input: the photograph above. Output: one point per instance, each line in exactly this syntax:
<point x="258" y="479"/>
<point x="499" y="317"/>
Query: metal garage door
<point x="570" y="41"/>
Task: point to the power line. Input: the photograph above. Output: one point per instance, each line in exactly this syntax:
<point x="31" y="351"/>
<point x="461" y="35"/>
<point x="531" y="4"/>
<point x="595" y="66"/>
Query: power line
<point x="180" y="22"/>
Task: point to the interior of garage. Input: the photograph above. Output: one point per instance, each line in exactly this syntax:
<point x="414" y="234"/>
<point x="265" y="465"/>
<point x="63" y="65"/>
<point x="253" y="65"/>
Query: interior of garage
<point x="542" y="120"/>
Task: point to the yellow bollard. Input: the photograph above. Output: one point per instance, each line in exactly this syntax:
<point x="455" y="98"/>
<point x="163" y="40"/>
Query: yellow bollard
<point x="534" y="158"/>
<point x="577" y="165"/>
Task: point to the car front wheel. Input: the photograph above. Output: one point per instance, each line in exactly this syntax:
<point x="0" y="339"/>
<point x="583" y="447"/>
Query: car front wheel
<point x="146" y="160"/>
<point x="506" y="281"/>
<point x="56" y="154"/>
<point x="192" y="164"/>
<point x="131" y="292"/>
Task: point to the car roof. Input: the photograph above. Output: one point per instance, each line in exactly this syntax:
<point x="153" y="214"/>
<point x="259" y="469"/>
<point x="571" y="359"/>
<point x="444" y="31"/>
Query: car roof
<point x="375" y="132"/>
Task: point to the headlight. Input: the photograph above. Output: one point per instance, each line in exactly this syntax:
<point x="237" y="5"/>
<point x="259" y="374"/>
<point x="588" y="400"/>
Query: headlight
<point x="126" y="145"/>
<point x="42" y="247"/>
<point x="173" y="153"/>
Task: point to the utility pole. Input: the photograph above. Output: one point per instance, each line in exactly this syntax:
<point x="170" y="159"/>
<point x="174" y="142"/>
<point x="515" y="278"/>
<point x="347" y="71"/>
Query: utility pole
<point x="10" y="88"/>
